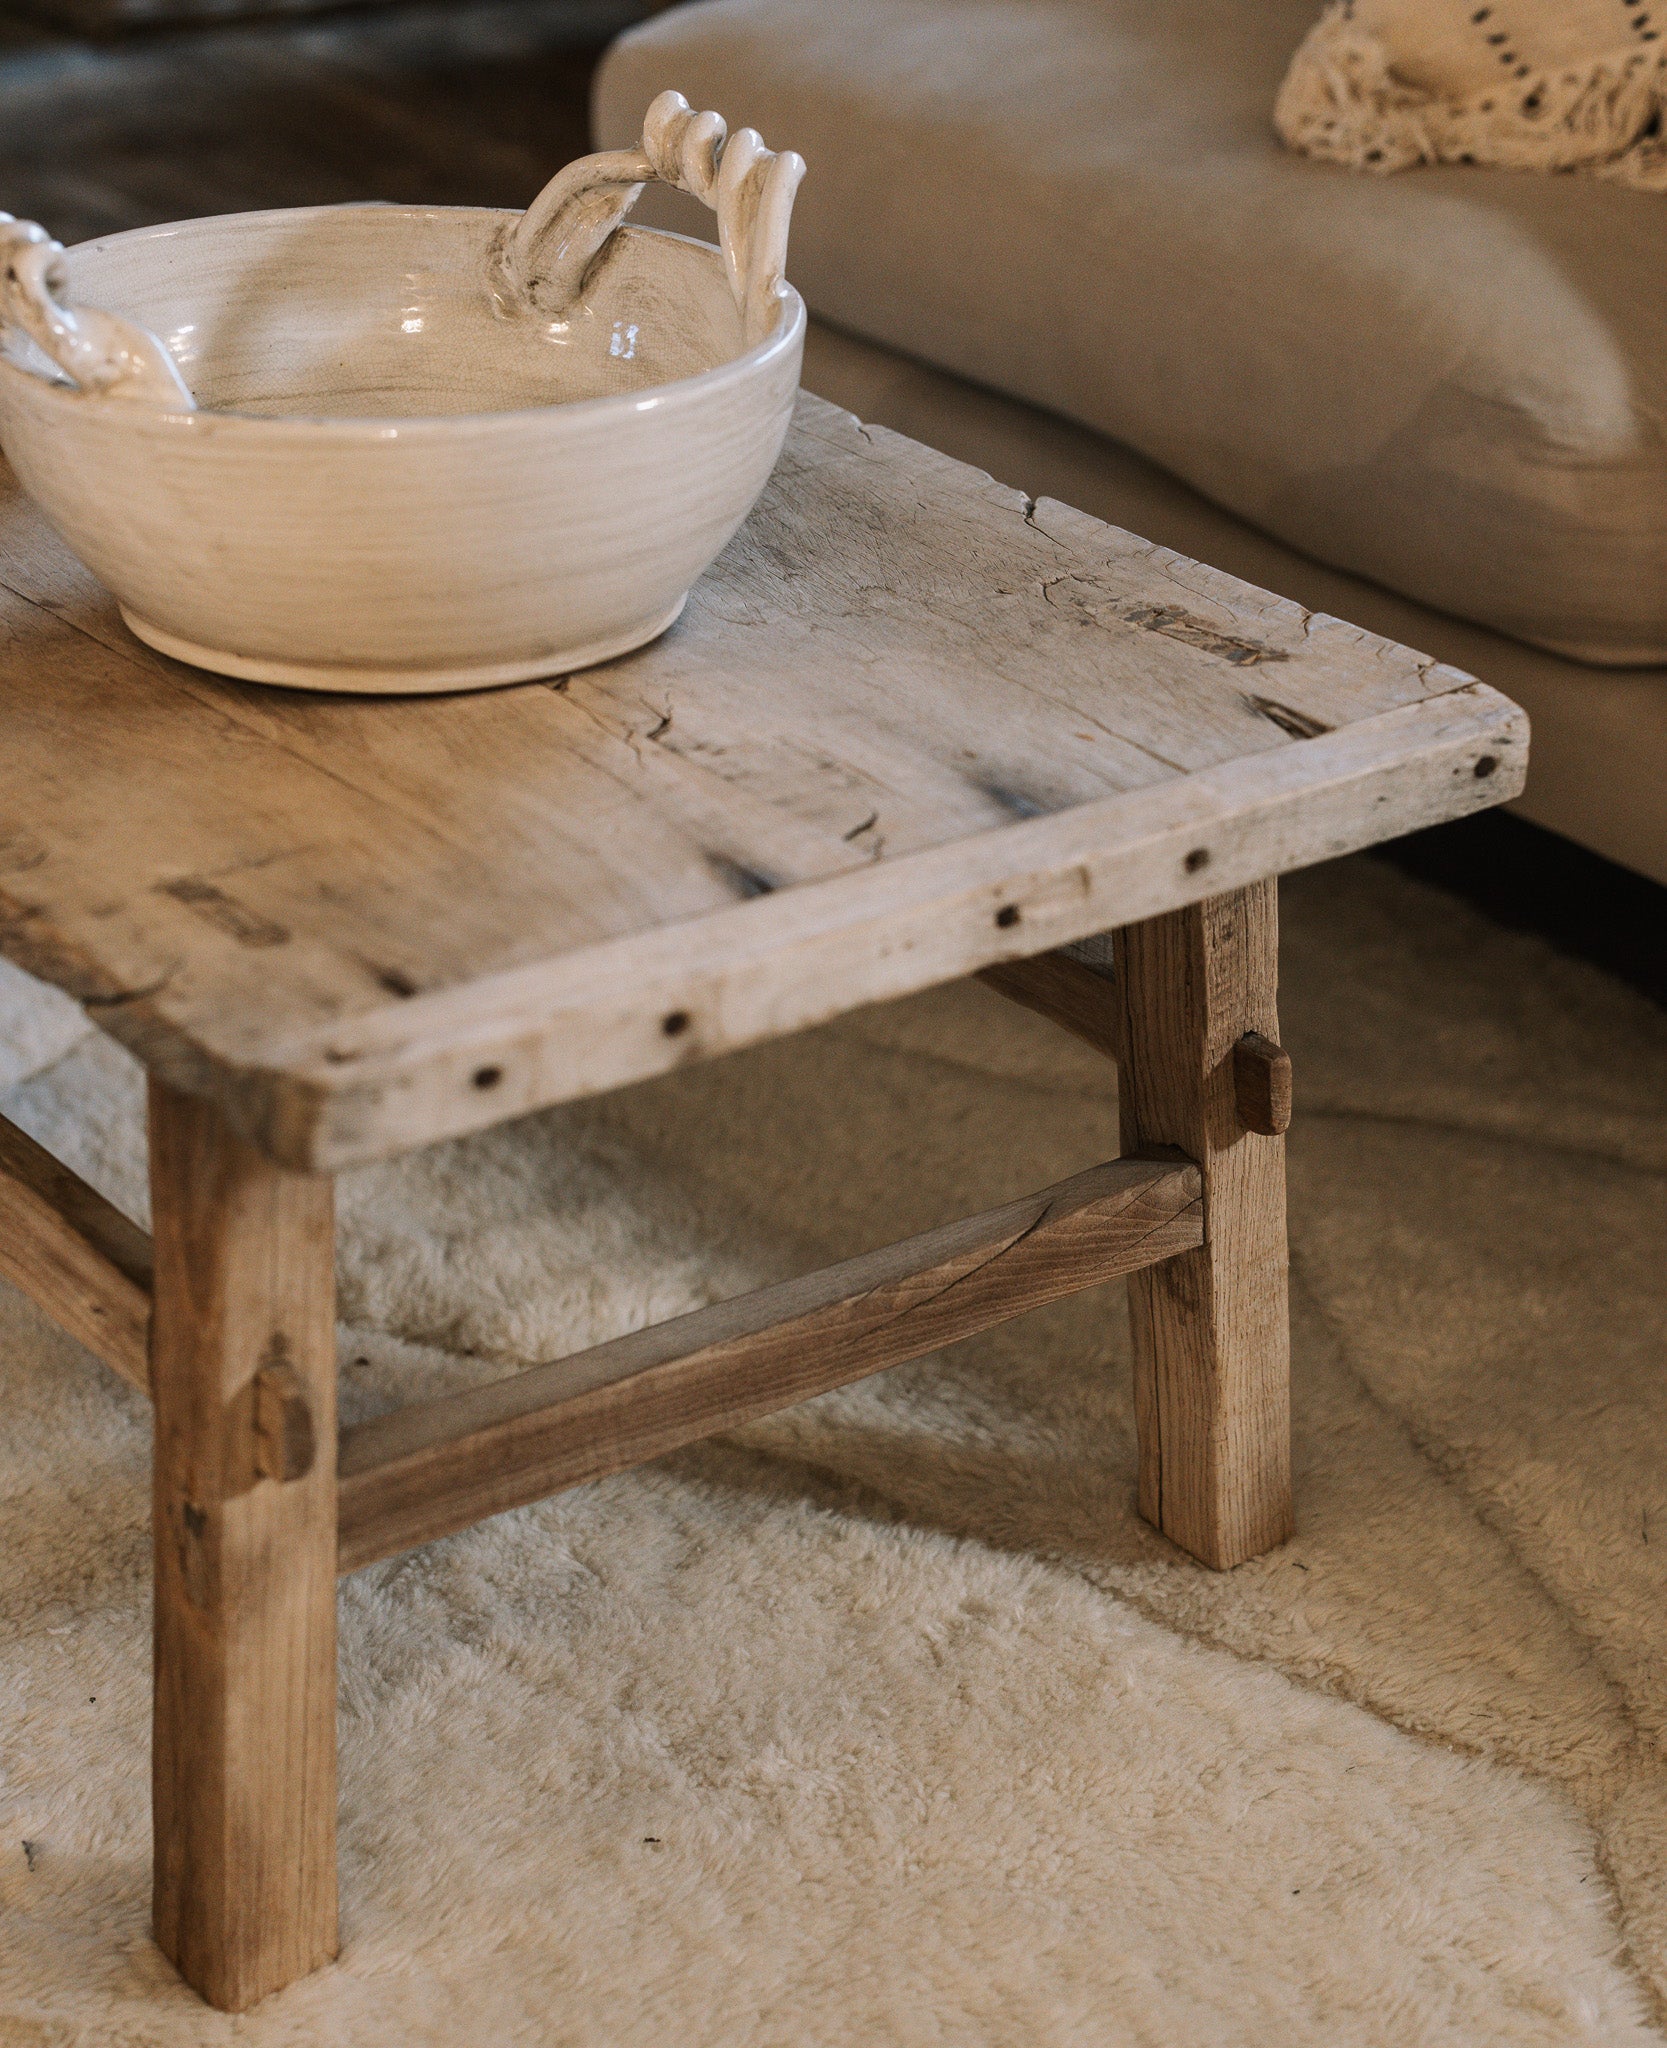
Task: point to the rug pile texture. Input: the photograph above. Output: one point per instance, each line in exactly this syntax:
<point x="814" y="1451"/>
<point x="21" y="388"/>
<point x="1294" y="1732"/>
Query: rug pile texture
<point x="886" y="1721"/>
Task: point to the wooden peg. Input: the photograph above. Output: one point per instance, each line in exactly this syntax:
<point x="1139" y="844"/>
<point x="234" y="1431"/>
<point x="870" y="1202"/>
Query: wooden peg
<point x="284" y="1442"/>
<point x="1262" y="1085"/>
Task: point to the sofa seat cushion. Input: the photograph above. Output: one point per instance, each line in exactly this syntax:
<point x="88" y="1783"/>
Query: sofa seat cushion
<point x="1453" y="381"/>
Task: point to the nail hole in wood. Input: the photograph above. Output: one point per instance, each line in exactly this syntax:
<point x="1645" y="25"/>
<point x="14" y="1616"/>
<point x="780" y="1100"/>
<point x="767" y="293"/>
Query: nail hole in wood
<point x="1007" y="916"/>
<point x="1198" y="858"/>
<point x="1486" y="766"/>
<point x="676" y="1024"/>
<point x="487" y="1077"/>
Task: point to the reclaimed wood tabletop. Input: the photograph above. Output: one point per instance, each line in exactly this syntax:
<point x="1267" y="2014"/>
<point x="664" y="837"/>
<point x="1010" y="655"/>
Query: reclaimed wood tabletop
<point x="911" y="725"/>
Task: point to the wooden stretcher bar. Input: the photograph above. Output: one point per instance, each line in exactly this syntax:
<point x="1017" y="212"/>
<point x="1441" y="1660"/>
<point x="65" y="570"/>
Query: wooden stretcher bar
<point x="434" y="1467"/>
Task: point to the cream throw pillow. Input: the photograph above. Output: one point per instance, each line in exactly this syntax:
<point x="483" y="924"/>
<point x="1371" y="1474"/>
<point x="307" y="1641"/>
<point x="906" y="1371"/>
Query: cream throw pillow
<point x="1544" y="85"/>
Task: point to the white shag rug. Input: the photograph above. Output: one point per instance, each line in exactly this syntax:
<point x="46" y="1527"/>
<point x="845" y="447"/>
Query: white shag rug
<point x="886" y="1721"/>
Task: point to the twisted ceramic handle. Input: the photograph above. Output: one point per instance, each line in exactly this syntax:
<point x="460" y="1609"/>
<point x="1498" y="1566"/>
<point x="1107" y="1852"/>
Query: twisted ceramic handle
<point x="99" y="353"/>
<point x="749" y="187"/>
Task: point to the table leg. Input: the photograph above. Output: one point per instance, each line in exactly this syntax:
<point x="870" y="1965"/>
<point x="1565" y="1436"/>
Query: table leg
<point x="1211" y="1327"/>
<point x="244" y="1740"/>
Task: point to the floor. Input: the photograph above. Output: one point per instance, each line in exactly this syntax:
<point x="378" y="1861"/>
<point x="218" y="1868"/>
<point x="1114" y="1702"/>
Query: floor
<point x="452" y="105"/>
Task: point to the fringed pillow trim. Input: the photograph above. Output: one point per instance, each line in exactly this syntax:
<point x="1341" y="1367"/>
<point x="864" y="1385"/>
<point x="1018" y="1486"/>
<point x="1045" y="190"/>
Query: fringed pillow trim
<point x="1342" y="101"/>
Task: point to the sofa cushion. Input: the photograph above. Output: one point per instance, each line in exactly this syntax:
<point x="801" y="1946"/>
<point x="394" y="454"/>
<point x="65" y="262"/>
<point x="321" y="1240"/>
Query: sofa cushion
<point x="1453" y="381"/>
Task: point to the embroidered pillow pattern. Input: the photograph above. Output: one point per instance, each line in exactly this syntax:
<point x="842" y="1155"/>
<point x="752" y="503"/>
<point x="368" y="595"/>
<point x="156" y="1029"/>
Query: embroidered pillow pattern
<point x="1544" y="85"/>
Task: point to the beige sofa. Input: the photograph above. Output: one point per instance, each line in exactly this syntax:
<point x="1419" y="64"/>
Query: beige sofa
<point x="1059" y="239"/>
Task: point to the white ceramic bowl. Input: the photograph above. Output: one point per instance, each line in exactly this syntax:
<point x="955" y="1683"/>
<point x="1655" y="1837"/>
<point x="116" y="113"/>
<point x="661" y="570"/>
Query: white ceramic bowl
<point x="390" y="448"/>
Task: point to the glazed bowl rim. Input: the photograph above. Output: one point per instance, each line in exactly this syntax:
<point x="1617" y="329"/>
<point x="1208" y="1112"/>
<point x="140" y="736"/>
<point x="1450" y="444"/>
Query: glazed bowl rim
<point x="371" y="428"/>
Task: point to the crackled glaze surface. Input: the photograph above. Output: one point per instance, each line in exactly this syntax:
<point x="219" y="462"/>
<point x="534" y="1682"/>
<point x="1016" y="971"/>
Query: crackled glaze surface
<point x="384" y="471"/>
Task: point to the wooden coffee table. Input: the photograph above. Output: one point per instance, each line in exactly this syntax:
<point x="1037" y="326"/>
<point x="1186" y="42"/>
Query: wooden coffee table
<point x="911" y="727"/>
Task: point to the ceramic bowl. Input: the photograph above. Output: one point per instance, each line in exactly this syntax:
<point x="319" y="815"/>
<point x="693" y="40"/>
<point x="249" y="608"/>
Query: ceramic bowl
<point x="395" y="448"/>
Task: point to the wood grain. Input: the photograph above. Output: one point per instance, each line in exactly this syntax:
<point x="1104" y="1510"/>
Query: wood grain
<point x="619" y="1012"/>
<point x="437" y="1466"/>
<point x="1211" y="1328"/>
<point x="1065" y="991"/>
<point x="75" y="1255"/>
<point x="426" y="102"/>
<point x="244" y="1743"/>
<point x="911" y="725"/>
